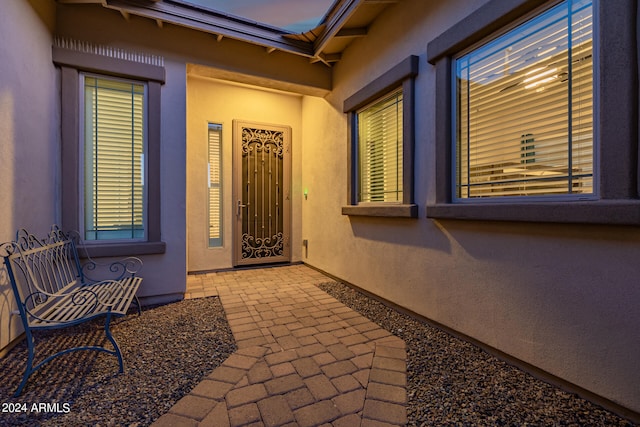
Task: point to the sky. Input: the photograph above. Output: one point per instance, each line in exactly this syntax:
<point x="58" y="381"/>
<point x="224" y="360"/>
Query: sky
<point x="294" y="15"/>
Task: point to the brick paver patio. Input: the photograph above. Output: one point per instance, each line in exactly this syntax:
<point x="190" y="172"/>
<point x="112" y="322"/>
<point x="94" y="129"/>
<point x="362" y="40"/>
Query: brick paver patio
<point x="303" y="359"/>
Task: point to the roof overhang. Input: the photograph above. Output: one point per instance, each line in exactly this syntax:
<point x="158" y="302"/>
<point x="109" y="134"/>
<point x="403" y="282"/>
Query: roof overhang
<point x="345" y="21"/>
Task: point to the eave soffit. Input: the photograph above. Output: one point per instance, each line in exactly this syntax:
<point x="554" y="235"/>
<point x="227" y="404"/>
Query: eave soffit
<point x="345" y="20"/>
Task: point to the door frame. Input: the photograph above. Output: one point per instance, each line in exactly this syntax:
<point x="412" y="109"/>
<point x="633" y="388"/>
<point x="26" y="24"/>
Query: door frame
<point x="239" y="209"/>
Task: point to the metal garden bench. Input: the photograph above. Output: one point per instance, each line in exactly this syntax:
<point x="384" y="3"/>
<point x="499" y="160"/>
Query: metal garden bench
<point x="52" y="290"/>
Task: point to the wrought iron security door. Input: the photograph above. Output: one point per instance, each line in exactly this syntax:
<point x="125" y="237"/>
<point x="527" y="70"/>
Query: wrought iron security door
<point x="262" y="192"/>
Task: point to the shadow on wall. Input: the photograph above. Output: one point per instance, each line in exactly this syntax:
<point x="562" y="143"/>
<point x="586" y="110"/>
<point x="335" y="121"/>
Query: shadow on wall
<point x="415" y="232"/>
<point x="8" y="322"/>
<point x="509" y="237"/>
<point x="7" y="162"/>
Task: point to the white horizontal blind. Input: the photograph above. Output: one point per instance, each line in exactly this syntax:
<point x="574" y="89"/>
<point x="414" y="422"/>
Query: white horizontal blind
<point x="524" y="109"/>
<point x="114" y="125"/>
<point x="380" y="150"/>
<point x="214" y="184"/>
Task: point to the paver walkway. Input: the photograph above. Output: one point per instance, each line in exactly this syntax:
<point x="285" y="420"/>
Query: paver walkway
<point x="303" y="358"/>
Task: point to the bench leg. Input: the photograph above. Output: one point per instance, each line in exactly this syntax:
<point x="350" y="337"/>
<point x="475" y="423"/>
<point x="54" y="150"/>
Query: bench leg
<point x="118" y="354"/>
<point x="135" y="297"/>
<point x="28" y="370"/>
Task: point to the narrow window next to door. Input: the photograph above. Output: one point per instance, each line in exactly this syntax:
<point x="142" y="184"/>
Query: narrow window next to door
<point x="214" y="181"/>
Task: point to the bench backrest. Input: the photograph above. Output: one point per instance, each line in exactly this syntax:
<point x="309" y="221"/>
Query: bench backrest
<point x="40" y="267"/>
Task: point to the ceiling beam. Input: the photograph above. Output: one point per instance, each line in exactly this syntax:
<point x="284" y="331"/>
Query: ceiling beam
<point x="326" y="58"/>
<point x="341" y="11"/>
<point x="332" y="57"/>
<point x="352" y="32"/>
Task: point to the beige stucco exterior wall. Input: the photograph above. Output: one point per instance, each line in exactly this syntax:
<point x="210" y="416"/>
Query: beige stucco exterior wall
<point x="29" y="142"/>
<point x="165" y="275"/>
<point x="214" y="101"/>
<point x="561" y="297"/>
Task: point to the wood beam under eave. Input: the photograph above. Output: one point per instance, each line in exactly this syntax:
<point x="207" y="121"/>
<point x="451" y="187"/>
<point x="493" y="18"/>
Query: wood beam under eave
<point x="219" y="38"/>
<point x="326" y="59"/>
<point x="125" y="14"/>
<point x="352" y="32"/>
<point x="339" y="14"/>
<point x="332" y="57"/>
<point x="270" y="50"/>
<point x="159" y="23"/>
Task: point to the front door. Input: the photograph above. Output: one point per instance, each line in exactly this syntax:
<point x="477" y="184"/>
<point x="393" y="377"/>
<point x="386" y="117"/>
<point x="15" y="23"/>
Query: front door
<point x="262" y="182"/>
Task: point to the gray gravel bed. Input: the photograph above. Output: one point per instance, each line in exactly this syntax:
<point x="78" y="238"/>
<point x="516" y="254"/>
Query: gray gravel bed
<point x="170" y="348"/>
<point x="167" y="351"/>
<point x="453" y="382"/>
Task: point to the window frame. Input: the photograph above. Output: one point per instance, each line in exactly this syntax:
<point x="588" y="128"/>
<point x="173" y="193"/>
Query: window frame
<point x="82" y="155"/>
<point x="215" y="243"/>
<point x="548" y="197"/>
<point x="72" y="64"/>
<point x="615" y="118"/>
<point x="401" y="76"/>
<point x="378" y="147"/>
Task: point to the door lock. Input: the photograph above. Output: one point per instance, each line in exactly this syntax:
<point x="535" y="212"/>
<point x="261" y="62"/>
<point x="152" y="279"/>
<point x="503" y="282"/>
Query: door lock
<point x="240" y="206"/>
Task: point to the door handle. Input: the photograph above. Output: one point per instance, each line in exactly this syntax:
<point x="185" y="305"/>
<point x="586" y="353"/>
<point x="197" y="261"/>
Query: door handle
<point x="240" y="206"/>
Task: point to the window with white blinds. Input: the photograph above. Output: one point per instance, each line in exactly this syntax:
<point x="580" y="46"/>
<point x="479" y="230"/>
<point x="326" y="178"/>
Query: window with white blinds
<point x="114" y="147"/>
<point x="380" y="150"/>
<point x="214" y="182"/>
<point x="524" y="109"/>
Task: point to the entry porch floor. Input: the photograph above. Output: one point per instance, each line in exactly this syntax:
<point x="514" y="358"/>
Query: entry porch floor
<point x="303" y="358"/>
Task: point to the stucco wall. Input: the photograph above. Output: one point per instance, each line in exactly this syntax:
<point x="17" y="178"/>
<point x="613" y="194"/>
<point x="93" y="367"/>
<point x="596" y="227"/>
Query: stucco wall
<point x="165" y="275"/>
<point x="212" y="101"/>
<point x="29" y="142"/>
<point x="560" y="297"/>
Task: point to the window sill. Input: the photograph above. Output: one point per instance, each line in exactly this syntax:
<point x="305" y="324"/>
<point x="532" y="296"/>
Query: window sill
<point x="122" y="249"/>
<point x="608" y="212"/>
<point x="392" y="211"/>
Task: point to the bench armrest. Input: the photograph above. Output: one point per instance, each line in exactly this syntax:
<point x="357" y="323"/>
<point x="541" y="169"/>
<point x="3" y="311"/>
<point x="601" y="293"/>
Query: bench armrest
<point x="118" y="269"/>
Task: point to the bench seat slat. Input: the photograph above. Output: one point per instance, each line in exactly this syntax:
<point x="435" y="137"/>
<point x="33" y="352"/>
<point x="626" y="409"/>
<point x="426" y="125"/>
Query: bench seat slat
<point x="113" y="295"/>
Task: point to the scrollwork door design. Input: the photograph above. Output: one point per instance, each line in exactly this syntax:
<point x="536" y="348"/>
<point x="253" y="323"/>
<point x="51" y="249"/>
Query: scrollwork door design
<point x="262" y="192"/>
